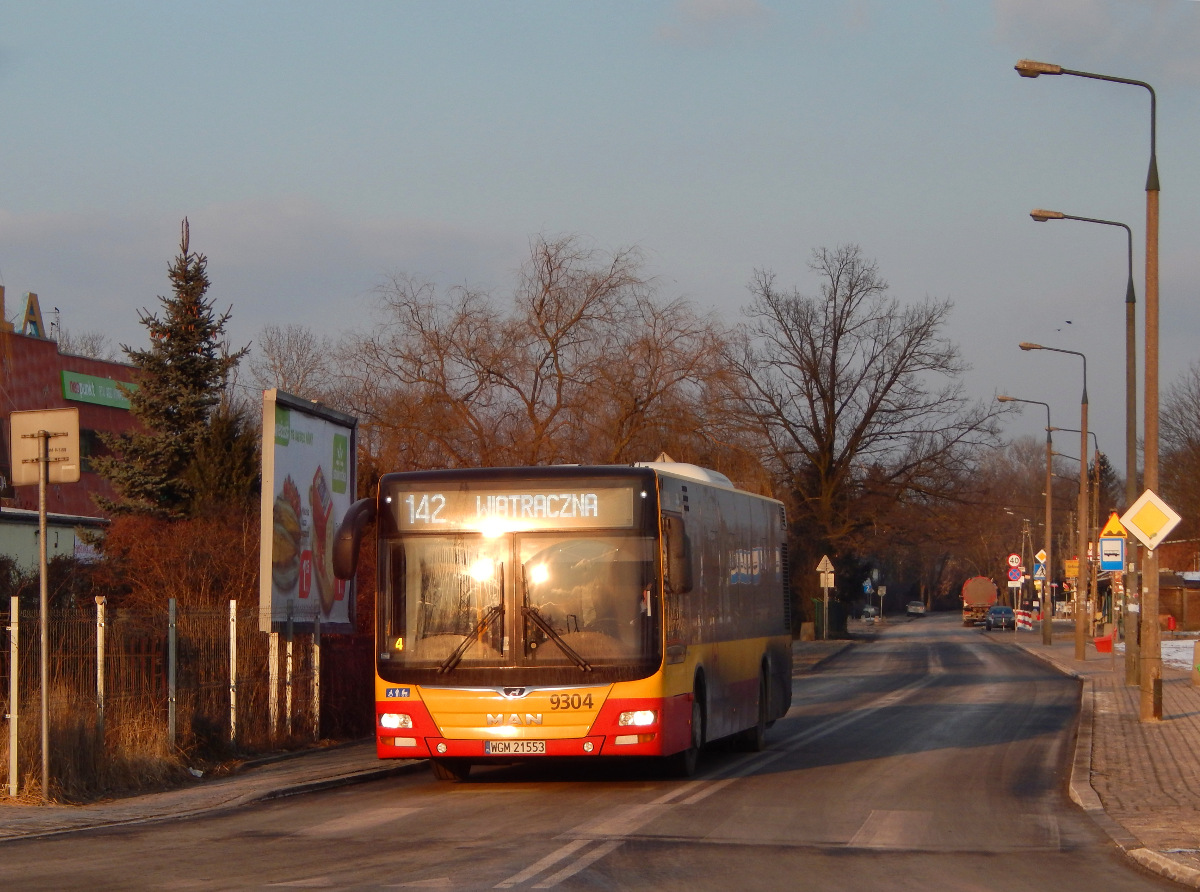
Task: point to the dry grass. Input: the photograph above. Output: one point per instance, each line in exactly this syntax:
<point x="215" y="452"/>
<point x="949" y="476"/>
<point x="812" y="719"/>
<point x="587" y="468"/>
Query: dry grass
<point x="133" y="755"/>
<point x="133" y="752"/>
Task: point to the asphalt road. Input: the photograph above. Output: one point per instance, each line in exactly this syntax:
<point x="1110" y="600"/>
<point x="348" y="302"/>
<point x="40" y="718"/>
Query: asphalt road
<point x="934" y="757"/>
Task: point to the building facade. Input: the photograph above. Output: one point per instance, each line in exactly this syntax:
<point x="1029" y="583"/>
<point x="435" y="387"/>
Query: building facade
<point x="35" y="374"/>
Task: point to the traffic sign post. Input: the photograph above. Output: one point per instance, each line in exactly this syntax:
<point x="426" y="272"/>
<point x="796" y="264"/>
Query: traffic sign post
<point x="825" y="568"/>
<point x="44" y="449"/>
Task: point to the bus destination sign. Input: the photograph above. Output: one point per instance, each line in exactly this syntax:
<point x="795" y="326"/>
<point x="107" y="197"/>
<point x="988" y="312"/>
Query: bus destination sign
<point x="529" y="508"/>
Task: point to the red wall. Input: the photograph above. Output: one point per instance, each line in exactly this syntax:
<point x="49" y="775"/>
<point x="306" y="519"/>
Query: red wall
<point x="31" y="369"/>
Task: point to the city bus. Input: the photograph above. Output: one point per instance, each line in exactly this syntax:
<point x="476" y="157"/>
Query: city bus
<point x="573" y="611"/>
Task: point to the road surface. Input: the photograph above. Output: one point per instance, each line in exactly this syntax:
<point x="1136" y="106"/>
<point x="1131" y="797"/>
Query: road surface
<point x="934" y="757"/>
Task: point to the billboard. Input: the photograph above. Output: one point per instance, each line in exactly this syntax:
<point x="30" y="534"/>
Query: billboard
<point x="308" y="482"/>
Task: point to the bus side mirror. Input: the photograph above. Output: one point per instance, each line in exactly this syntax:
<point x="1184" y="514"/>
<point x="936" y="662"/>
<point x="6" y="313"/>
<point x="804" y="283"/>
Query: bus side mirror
<point x="678" y="554"/>
<point x="349" y="537"/>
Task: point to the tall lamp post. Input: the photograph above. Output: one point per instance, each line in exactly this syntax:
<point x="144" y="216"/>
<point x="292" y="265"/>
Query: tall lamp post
<point x="1131" y="463"/>
<point x="1150" y="707"/>
<point x="1081" y="581"/>
<point x="1048" y="588"/>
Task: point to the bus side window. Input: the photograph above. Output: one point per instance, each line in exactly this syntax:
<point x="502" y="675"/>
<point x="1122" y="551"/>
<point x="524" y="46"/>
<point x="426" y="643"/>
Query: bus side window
<point x="677" y="554"/>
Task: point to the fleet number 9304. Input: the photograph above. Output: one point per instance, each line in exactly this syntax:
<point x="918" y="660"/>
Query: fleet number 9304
<point x="570" y="701"/>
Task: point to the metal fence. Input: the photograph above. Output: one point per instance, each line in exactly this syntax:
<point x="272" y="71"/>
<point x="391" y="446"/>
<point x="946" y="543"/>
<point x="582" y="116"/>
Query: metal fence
<point x="178" y="685"/>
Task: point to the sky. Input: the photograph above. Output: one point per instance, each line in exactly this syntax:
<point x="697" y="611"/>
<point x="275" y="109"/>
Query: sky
<point x="317" y="148"/>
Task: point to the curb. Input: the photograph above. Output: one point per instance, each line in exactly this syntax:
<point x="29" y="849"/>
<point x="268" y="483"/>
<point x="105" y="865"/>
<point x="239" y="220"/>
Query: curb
<point x="409" y="766"/>
<point x="282" y="791"/>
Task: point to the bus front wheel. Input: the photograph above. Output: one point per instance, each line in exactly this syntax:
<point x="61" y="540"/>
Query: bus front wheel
<point x="683" y="764"/>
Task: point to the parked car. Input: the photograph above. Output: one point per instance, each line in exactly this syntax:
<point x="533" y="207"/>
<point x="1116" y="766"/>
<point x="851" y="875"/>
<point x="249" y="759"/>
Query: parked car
<point x="916" y="608"/>
<point x="1000" y="617"/>
<point x="870" y="614"/>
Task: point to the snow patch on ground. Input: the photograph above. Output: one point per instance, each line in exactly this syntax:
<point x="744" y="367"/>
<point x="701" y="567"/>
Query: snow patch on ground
<point x="1176" y="654"/>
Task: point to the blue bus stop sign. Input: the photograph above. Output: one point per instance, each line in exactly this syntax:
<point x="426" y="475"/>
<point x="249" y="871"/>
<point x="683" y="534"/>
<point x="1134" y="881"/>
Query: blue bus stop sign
<point x="1112" y="553"/>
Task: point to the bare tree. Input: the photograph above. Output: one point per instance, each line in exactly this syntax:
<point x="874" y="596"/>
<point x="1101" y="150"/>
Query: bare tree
<point x="859" y="399"/>
<point x="582" y="364"/>
<point x="294" y="359"/>
<point x="1180" y="438"/>
<point x="92" y="344"/>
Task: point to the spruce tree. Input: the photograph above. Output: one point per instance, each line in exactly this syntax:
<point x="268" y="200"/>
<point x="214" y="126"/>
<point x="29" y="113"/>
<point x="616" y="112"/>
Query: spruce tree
<point x="180" y="378"/>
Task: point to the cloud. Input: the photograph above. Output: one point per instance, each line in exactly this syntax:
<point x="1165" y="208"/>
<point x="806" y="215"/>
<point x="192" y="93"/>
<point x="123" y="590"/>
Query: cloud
<point x="1103" y="33"/>
<point x="707" y="22"/>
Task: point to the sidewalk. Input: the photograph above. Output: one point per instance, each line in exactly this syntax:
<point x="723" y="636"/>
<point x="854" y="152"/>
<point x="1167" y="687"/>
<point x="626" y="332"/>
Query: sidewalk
<point x="270" y="778"/>
<point x="1140" y="781"/>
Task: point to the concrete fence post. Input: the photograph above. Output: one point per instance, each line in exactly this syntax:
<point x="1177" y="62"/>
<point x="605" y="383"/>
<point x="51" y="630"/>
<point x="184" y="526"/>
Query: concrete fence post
<point x="101" y="603"/>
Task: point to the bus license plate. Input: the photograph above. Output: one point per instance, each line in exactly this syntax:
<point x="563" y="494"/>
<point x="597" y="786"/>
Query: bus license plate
<point x="514" y="747"/>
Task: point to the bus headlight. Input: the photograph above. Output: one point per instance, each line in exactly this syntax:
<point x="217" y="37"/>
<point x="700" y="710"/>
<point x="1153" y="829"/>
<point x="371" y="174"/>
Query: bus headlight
<point x="640" y="718"/>
<point x="395" y="720"/>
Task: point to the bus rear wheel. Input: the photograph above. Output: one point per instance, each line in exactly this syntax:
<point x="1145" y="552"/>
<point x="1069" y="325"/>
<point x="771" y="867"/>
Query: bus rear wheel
<point x="754" y="738"/>
<point x="453" y="770"/>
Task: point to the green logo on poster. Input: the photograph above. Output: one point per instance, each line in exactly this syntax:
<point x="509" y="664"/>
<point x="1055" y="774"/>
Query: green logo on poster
<point x="283" y="421"/>
<point x="341" y="462"/>
<point x="283" y="429"/>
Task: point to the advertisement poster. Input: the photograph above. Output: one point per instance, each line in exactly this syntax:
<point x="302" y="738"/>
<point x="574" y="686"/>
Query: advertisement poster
<point x="308" y="483"/>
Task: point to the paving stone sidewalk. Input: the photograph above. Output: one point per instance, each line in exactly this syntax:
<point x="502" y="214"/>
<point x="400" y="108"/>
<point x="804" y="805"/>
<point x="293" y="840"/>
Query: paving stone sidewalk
<point x="1139" y="780"/>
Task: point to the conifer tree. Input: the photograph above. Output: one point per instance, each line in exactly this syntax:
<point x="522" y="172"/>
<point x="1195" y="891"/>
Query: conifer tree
<point x="180" y="379"/>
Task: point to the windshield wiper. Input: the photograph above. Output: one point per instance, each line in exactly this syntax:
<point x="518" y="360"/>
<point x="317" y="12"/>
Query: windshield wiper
<point x="547" y="629"/>
<point x="496" y="611"/>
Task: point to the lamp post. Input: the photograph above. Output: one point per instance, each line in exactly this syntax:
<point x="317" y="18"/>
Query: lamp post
<point x="1150" y="707"/>
<point x="1081" y="580"/>
<point x="1048" y="587"/>
<point x="1131" y="464"/>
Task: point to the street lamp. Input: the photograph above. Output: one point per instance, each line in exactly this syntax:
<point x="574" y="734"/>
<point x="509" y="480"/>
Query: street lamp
<point x="1150" y="707"/>
<point x="1048" y="587"/>
<point x="1131" y="644"/>
<point x="1081" y="579"/>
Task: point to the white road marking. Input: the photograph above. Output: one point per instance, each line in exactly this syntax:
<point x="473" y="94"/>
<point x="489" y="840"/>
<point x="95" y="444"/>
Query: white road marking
<point x="544" y="864"/>
<point x="888" y="829"/>
<point x="585" y="861"/>
<point x="353" y="824"/>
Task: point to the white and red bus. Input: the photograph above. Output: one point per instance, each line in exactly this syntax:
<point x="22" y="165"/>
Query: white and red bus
<point x="573" y="611"/>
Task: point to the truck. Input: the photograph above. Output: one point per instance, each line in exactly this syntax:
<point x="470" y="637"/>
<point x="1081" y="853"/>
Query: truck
<point x="978" y="594"/>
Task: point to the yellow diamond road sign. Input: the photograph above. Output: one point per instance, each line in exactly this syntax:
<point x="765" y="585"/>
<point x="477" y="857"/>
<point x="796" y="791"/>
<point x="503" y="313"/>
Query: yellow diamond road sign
<point x="1150" y="519"/>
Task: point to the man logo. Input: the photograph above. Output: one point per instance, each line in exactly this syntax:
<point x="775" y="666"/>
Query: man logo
<point x="530" y="718"/>
<point x="514" y="693"/>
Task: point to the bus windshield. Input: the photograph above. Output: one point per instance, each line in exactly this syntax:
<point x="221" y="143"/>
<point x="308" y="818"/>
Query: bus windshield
<point x="565" y="604"/>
